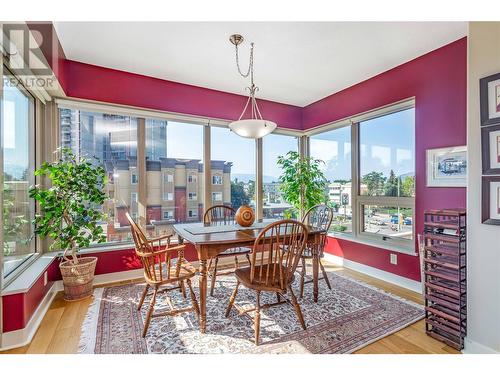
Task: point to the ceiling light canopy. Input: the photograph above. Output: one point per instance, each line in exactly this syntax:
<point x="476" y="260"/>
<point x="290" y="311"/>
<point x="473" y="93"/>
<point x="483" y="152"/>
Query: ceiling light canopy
<point x="254" y="126"/>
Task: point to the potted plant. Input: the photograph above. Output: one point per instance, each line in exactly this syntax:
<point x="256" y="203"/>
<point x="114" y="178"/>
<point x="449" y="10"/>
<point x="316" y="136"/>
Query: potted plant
<point x="70" y="213"/>
<point x="302" y="183"/>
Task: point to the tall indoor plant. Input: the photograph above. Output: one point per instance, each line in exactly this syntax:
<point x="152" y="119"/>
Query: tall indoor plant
<point x="302" y="183"/>
<point x="70" y="213"/>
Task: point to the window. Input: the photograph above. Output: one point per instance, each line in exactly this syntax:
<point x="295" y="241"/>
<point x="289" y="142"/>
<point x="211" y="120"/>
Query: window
<point x="112" y="141"/>
<point x="275" y="145"/>
<point x="18" y="143"/>
<point x="334" y="148"/>
<point x="133" y="179"/>
<point x="217" y="180"/>
<point x="375" y="204"/>
<point x="174" y="150"/>
<point x="233" y="157"/>
<point x="217" y="197"/>
<point x="387" y="175"/>
<point x="168" y="215"/>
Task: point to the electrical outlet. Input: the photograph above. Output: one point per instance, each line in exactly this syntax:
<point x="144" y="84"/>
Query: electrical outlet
<point x="394" y="259"/>
<point x="45" y="278"/>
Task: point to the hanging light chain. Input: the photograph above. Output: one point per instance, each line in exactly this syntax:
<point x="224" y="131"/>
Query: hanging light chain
<point x="250" y="64"/>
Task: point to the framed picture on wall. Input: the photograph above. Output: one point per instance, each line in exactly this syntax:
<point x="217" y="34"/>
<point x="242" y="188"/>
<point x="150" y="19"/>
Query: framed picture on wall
<point x="489" y="88"/>
<point x="447" y="167"/>
<point x="491" y="200"/>
<point x="490" y="138"/>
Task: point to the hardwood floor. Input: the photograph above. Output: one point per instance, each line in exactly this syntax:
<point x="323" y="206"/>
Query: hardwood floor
<point x="60" y="329"/>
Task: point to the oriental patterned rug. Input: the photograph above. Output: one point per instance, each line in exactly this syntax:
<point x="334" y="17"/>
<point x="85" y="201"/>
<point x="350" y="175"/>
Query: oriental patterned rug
<point x="346" y="318"/>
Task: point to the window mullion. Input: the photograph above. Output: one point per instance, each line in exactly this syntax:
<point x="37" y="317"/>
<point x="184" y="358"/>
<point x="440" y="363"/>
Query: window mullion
<point x="259" y="188"/>
<point x="355" y="210"/>
<point x="141" y="172"/>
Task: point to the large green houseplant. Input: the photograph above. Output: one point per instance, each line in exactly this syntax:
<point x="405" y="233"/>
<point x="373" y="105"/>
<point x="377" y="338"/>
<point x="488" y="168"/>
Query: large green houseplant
<point x="302" y="183"/>
<point x="70" y="214"/>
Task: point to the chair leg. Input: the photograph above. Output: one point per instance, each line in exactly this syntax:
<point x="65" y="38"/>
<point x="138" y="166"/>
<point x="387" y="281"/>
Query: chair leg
<point x="182" y="289"/>
<point x="194" y="302"/>
<point x="231" y="299"/>
<point x="302" y="277"/>
<point x="214" y="275"/>
<point x="248" y="258"/>
<point x="143" y="297"/>
<point x="150" y="312"/>
<point x="297" y="308"/>
<point x="257" y="318"/>
<point x="236" y="264"/>
<point x="278" y="297"/>
<point x="325" y="276"/>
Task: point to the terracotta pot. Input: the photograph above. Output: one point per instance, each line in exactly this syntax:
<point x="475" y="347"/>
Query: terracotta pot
<point x="78" y="278"/>
<point x="245" y="216"/>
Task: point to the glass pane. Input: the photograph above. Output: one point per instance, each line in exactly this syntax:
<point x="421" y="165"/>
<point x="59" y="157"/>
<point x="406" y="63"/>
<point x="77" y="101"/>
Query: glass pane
<point x="174" y="167"/>
<point x="18" y="176"/>
<point x="388" y="221"/>
<point x="334" y="148"/>
<point x="233" y="159"/>
<point x="275" y="145"/>
<point x="112" y="141"/>
<point x="387" y="155"/>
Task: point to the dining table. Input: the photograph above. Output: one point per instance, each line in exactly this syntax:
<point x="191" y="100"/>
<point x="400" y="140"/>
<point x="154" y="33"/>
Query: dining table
<point x="211" y="240"/>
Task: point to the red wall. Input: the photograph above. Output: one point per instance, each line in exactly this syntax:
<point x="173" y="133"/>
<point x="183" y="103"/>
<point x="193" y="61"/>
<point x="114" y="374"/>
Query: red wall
<point x="437" y="80"/>
<point x="93" y="82"/>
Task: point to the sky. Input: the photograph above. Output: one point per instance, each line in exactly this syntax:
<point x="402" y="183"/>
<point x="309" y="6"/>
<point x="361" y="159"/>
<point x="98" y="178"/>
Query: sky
<point x="185" y="141"/>
<point x="387" y="142"/>
<point x="16" y="132"/>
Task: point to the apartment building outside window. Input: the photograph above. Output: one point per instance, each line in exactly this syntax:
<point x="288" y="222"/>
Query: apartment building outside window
<point x="134" y="179"/>
<point x="192" y="196"/>
<point x="168" y="196"/>
<point x="192" y="178"/>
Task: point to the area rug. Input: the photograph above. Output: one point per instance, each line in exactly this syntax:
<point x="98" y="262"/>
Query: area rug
<point x="346" y="318"/>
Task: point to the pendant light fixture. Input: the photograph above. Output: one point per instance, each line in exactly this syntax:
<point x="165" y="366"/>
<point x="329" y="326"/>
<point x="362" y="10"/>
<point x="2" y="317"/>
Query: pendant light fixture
<point x="254" y="126"/>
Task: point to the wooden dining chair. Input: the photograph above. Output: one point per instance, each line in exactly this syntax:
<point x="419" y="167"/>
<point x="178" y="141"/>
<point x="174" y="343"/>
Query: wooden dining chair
<point x="222" y="215"/>
<point x="319" y="216"/>
<point x="160" y="269"/>
<point x="273" y="260"/>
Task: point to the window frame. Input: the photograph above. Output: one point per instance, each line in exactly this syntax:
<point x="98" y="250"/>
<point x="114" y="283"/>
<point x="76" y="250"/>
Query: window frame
<point x="357" y="200"/>
<point x="36" y="121"/>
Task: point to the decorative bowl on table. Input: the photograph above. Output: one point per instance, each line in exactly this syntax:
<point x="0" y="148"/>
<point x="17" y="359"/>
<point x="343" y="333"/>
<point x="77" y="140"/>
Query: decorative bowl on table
<point x="245" y="216"/>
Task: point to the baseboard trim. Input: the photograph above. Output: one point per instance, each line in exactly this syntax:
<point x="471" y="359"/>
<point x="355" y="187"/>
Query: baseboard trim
<point x="401" y="281"/>
<point x="473" y="347"/>
<point x="22" y="337"/>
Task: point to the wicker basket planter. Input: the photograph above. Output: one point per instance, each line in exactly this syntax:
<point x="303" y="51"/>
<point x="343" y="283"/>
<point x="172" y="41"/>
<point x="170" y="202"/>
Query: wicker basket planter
<point x="78" y="279"/>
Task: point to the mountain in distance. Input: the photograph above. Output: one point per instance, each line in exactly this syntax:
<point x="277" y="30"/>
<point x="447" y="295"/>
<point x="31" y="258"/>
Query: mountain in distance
<point x="245" y="177"/>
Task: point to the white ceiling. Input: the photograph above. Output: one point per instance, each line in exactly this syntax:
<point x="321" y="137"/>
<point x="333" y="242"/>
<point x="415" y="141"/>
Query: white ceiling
<point x="295" y="62"/>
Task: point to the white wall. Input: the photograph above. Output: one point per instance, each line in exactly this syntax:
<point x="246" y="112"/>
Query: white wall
<point x="483" y="247"/>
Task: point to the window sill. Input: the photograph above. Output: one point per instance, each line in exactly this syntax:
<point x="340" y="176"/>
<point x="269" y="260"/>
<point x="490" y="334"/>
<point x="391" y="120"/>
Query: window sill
<point x="376" y="244"/>
<point x="25" y="279"/>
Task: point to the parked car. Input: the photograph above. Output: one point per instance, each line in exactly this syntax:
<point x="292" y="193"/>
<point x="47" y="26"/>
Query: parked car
<point x="408" y="221"/>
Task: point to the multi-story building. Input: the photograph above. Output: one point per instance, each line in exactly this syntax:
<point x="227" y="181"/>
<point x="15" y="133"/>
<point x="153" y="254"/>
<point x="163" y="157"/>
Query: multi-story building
<point x="174" y="187"/>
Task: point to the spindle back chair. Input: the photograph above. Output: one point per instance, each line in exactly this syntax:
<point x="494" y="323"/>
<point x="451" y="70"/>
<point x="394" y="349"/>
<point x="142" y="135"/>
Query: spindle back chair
<point x="319" y="216"/>
<point x="273" y="260"/>
<point x="222" y="215"/>
<point x="160" y="269"/>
